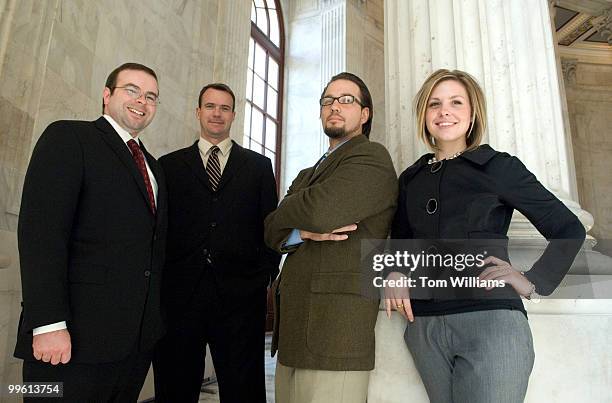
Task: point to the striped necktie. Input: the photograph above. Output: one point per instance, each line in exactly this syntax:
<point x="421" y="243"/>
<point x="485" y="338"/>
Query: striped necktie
<point x="213" y="168"/>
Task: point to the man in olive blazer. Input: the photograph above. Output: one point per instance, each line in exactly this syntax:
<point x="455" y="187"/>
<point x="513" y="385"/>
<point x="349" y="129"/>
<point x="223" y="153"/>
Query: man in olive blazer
<point x="323" y="321"/>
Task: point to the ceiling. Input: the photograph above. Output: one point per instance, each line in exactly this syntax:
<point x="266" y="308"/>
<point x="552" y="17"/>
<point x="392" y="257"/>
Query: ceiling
<point x="577" y="23"/>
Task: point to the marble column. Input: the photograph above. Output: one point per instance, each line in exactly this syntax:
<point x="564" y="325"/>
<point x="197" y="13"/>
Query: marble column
<point x="508" y="46"/>
<point x="333" y="48"/>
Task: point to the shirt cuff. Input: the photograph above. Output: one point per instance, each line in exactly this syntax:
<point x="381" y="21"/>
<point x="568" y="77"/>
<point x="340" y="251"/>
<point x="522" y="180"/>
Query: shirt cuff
<point x="49" y="328"/>
<point x="294" y="239"/>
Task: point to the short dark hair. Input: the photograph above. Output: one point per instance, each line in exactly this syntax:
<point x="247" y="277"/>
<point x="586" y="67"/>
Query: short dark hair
<point x="220" y="87"/>
<point x="111" y="80"/>
<point x="365" y="97"/>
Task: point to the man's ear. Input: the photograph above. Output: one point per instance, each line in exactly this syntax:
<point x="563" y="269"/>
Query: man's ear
<point x="365" y="115"/>
<point x="106" y="95"/>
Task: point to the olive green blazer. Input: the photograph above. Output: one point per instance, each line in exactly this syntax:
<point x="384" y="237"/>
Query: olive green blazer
<point x="323" y="321"/>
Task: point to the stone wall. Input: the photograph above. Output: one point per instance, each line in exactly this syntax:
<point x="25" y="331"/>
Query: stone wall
<point x="366" y="55"/>
<point x="589" y="100"/>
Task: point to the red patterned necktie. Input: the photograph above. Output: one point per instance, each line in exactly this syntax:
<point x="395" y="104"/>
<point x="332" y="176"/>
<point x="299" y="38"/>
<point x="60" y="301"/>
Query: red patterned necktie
<point x="142" y="167"/>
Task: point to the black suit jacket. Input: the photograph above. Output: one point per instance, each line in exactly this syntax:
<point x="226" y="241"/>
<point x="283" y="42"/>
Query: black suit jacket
<point x="222" y="228"/>
<point x="91" y="250"/>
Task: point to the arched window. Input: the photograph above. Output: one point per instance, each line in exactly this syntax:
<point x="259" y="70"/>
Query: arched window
<point x="263" y="109"/>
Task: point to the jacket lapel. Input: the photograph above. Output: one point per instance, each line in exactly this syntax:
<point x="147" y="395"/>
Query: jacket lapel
<point x="111" y="137"/>
<point x="333" y="158"/>
<point x="236" y="159"/>
<point x="194" y="161"/>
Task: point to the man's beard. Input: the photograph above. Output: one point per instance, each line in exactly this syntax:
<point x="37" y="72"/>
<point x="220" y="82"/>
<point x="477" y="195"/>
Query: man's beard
<point x="334" y="132"/>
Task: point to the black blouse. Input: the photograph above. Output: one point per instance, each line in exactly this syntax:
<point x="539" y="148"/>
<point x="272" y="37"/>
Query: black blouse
<point x="473" y="197"/>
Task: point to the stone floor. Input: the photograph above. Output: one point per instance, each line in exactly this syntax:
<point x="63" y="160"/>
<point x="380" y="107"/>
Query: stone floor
<point x="210" y="393"/>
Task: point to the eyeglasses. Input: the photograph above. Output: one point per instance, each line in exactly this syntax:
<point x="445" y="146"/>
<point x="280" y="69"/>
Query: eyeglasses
<point x="343" y="99"/>
<point x="135" y="93"/>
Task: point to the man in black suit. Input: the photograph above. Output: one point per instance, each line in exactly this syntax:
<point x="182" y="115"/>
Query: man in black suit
<point x="217" y="268"/>
<point x="91" y="237"/>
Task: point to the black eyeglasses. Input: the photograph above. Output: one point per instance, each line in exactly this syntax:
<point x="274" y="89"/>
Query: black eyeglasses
<point x="342" y="99"/>
<point x="135" y="92"/>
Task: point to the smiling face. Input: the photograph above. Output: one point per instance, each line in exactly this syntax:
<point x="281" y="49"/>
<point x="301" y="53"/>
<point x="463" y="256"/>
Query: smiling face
<point x="343" y="120"/>
<point x="215" y="115"/>
<point x="448" y="114"/>
<point x="131" y="114"/>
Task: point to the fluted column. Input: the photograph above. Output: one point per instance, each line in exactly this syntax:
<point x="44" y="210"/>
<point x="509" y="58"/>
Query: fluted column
<point x="508" y="46"/>
<point x="333" y="47"/>
<point x="333" y="38"/>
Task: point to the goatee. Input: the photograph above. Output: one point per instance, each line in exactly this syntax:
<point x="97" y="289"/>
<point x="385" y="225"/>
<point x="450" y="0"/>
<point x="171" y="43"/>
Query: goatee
<point x="334" y="132"/>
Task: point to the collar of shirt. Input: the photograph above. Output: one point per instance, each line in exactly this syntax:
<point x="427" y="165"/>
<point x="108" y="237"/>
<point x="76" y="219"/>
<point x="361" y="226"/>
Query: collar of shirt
<point x="224" y="147"/>
<point x="125" y="136"/>
<point x="331" y="150"/>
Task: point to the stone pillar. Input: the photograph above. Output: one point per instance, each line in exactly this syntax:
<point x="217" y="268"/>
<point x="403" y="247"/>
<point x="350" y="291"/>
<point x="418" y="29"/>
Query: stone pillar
<point x="333" y="38"/>
<point x="333" y="48"/>
<point x="508" y="46"/>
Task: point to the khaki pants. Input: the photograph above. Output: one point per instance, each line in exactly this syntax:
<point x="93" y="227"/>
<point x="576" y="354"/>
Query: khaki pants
<point x="298" y="385"/>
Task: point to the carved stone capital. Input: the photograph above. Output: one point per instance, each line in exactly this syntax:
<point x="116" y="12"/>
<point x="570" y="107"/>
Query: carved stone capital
<point x="568" y="66"/>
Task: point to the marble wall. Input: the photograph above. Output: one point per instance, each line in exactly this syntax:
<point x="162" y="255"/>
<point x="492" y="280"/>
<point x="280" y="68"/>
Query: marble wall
<point x="55" y="56"/>
<point x="366" y="54"/>
<point x="10" y="298"/>
<point x="589" y="99"/>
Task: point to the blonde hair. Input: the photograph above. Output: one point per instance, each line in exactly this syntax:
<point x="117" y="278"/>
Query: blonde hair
<point x="478" y="123"/>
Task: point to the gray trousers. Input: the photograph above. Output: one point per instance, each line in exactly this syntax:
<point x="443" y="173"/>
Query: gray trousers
<point x="473" y="357"/>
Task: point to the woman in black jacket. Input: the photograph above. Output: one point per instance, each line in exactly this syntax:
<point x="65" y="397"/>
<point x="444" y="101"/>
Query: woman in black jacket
<point x="478" y="349"/>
